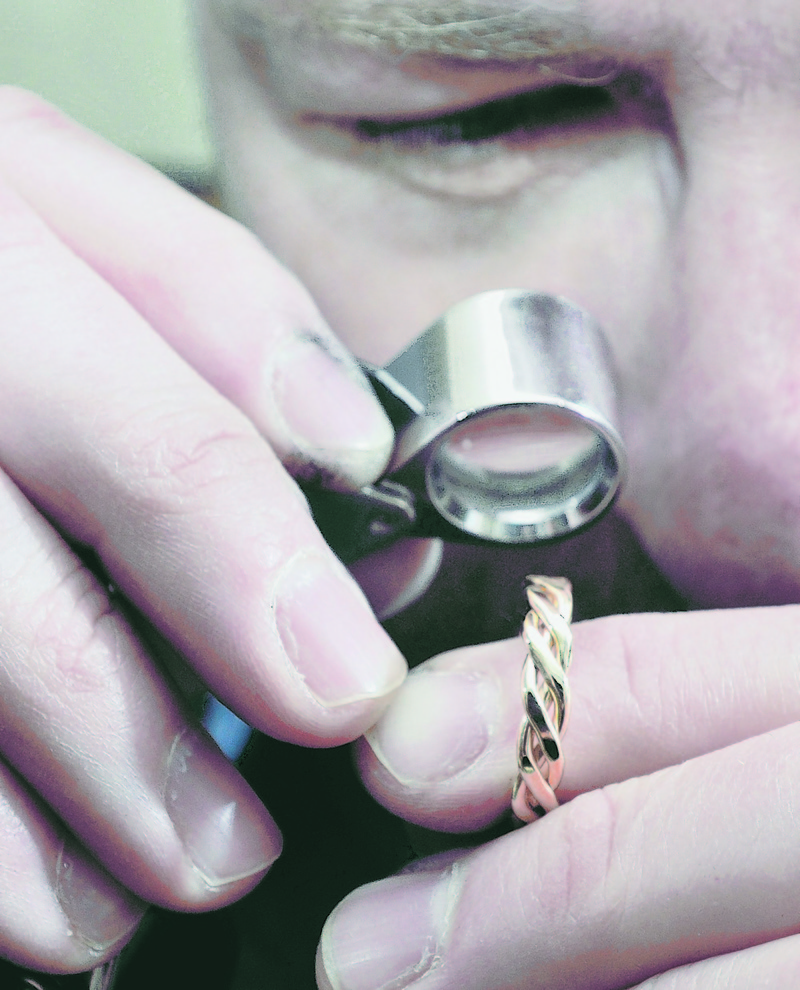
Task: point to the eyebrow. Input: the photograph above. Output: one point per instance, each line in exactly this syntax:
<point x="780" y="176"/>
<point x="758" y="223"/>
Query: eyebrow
<point x="467" y="29"/>
<point x="473" y="30"/>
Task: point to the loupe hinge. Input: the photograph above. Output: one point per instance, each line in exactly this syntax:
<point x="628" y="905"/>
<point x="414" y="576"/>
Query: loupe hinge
<point x="355" y="525"/>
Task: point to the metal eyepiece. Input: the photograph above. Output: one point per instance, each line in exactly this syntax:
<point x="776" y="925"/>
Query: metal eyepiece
<point x="512" y="406"/>
<point x="505" y="413"/>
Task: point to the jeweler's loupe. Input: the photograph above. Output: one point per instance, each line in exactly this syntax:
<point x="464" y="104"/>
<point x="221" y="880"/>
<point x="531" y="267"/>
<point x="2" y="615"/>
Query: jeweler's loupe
<point x="505" y="416"/>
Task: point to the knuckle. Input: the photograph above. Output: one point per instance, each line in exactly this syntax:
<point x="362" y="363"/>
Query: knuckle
<point x="580" y="878"/>
<point x="624" y="646"/>
<point x="60" y="635"/>
<point x="72" y="635"/>
<point x="643" y="694"/>
<point x="178" y="459"/>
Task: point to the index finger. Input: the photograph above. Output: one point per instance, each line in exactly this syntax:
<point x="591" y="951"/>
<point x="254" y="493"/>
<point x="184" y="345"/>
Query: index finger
<point x="130" y="450"/>
<point x="207" y="286"/>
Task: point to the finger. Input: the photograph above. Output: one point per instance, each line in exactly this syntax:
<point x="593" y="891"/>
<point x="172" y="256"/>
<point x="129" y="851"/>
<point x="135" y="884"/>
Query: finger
<point x="689" y="863"/>
<point x="207" y="287"/>
<point x="648" y="691"/>
<point x="88" y="722"/>
<point x="396" y="576"/>
<point x="130" y="451"/>
<point x="59" y="910"/>
<point x="764" y="967"/>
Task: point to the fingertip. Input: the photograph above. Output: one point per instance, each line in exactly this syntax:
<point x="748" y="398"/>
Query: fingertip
<point x="439" y="756"/>
<point x="101" y="915"/>
<point x="396" y="576"/>
<point x="313" y="667"/>
<point x="227" y="834"/>
<point x="325" y="413"/>
<point x="388" y="934"/>
<point x="437" y="727"/>
<point x="193" y="838"/>
<point x="60" y="911"/>
<point x="348" y="667"/>
<point x="323" y="983"/>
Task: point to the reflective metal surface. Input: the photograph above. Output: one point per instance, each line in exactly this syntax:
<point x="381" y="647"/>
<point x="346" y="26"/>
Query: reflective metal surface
<point x="510" y="417"/>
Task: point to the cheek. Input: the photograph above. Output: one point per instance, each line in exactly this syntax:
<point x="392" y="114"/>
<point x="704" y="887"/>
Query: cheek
<point x="383" y="261"/>
<point x="714" y="426"/>
<point x="715" y="480"/>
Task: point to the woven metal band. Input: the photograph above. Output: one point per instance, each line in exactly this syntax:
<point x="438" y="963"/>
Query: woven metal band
<point x="545" y="696"/>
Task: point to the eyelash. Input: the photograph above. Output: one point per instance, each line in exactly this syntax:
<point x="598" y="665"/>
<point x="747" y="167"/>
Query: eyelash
<point x="630" y="98"/>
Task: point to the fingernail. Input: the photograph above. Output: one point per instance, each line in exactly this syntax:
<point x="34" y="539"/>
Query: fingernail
<point x="387" y="934"/>
<point x="330" y="634"/>
<point x="329" y="411"/>
<point x="224" y="828"/>
<point x="99" y="911"/>
<point x="438" y="725"/>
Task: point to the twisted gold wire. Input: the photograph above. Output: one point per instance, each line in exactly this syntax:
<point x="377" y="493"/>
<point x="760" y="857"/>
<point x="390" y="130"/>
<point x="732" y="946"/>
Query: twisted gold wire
<point x="545" y="696"/>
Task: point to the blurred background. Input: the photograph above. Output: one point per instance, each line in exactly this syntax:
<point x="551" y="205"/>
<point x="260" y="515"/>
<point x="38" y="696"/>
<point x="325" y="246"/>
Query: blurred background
<point x="125" y="68"/>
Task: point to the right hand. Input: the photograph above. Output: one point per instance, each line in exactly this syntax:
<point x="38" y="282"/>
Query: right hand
<point x="675" y="864"/>
<point x="159" y="372"/>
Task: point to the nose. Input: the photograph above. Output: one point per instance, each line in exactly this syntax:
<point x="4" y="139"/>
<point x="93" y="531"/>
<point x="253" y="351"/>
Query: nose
<point x="715" y="434"/>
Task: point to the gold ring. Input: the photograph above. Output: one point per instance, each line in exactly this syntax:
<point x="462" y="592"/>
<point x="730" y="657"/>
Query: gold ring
<point x="545" y="696"/>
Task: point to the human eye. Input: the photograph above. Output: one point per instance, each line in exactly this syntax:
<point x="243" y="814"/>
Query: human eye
<point x="454" y="128"/>
<point x="517" y="115"/>
<point x="494" y="148"/>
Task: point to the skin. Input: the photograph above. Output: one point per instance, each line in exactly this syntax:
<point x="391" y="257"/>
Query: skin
<point x="151" y="403"/>
<point x="693" y="188"/>
<point x="119" y="437"/>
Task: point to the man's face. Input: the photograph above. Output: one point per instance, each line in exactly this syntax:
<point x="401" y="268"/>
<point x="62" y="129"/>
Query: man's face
<point x="641" y="159"/>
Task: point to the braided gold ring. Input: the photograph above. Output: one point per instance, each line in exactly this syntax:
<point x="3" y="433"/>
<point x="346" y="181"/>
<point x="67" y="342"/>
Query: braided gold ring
<point x="545" y="696"/>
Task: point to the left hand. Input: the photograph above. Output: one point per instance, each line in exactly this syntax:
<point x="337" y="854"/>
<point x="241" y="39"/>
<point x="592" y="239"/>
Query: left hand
<point x="677" y="860"/>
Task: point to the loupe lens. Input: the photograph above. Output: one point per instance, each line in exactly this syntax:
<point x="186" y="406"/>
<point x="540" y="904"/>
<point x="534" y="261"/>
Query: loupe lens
<point x="506" y="406"/>
<point x="522" y="473"/>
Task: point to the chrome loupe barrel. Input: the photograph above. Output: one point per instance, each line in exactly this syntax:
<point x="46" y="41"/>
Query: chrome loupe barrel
<point x="504" y="411"/>
<point x="511" y="409"/>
